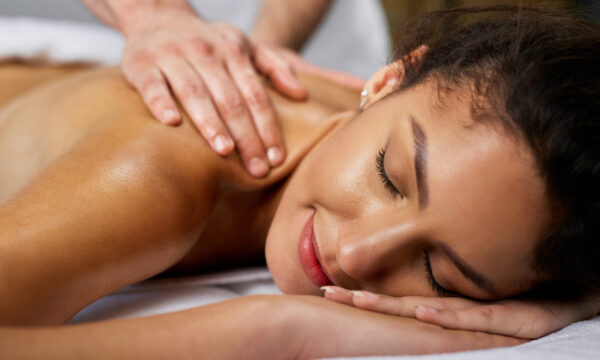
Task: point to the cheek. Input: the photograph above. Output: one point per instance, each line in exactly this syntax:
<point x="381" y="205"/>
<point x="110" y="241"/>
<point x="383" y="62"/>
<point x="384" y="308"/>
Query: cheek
<point x="340" y="171"/>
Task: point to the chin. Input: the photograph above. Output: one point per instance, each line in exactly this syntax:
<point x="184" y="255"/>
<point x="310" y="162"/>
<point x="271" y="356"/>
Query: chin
<point x="285" y="268"/>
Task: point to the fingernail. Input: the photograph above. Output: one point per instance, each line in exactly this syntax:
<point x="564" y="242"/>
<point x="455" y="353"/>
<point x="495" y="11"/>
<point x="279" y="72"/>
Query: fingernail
<point x="169" y="116"/>
<point x="275" y="156"/>
<point x="426" y="309"/>
<point x="221" y="143"/>
<point x="328" y="289"/>
<point x="257" y="166"/>
<point x="365" y="295"/>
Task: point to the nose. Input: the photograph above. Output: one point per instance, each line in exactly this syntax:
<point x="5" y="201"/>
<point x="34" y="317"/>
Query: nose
<point x="372" y="245"/>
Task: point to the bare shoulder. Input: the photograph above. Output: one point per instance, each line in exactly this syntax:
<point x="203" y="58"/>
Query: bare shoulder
<point x="98" y="102"/>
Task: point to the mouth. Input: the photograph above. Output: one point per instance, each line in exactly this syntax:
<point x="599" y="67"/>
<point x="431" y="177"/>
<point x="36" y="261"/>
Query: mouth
<point x="308" y="256"/>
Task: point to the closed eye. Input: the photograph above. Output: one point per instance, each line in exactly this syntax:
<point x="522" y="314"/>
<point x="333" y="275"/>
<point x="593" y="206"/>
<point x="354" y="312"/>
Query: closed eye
<point x="387" y="183"/>
<point x="439" y="289"/>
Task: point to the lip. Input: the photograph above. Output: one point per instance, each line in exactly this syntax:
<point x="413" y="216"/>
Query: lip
<point x="308" y="256"/>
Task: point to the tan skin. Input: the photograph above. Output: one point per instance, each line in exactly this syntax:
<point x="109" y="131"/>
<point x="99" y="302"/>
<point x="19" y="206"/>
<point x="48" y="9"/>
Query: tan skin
<point x="102" y="197"/>
<point x="214" y="70"/>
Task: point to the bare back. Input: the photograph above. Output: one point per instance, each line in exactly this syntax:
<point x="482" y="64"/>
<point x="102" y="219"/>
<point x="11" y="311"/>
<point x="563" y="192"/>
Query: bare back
<point x="96" y="195"/>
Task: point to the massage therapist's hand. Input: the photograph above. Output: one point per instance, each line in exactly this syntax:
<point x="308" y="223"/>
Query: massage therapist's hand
<point x="264" y="54"/>
<point x="324" y="328"/>
<point x="525" y="319"/>
<point x="209" y="69"/>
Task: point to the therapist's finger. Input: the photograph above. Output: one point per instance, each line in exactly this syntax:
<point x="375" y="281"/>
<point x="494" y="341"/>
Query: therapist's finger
<point x="335" y="76"/>
<point x="279" y="71"/>
<point x="235" y="115"/>
<point x="151" y="84"/>
<point x="196" y="100"/>
<point x="260" y="106"/>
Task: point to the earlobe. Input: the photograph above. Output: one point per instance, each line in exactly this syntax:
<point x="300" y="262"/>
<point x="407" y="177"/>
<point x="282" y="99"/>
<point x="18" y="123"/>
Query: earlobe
<point x="387" y="79"/>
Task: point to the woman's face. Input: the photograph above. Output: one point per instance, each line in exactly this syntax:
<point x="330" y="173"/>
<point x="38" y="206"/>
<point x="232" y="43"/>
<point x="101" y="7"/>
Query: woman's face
<point x="462" y="211"/>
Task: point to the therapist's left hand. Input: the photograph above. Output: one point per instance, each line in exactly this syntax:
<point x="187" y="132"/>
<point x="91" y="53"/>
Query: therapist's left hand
<point x="208" y="67"/>
<point x="525" y="319"/>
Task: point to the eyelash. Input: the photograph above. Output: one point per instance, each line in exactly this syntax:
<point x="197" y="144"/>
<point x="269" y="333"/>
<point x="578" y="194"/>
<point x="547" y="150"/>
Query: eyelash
<point x="431" y="279"/>
<point x="387" y="183"/>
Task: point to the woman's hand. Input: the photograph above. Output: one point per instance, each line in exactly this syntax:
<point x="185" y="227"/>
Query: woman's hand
<point x="209" y="68"/>
<point x="324" y="328"/>
<point x="525" y="319"/>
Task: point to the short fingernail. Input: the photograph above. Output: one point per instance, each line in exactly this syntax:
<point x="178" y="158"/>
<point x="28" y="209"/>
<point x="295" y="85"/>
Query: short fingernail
<point x="275" y="156"/>
<point x="257" y="166"/>
<point x="328" y="289"/>
<point x="365" y="294"/>
<point x="426" y="309"/>
<point x="169" y="116"/>
<point x="222" y="143"/>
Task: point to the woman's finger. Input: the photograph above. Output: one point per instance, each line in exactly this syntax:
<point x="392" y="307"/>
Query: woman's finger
<point x="492" y="318"/>
<point x="195" y="98"/>
<point x="405" y="305"/>
<point x="151" y="84"/>
<point x="400" y="306"/>
<point x="338" y="294"/>
<point x="258" y="102"/>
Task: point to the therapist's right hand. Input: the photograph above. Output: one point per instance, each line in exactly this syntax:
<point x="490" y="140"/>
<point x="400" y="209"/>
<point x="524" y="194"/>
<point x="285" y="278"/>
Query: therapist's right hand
<point x="209" y="68"/>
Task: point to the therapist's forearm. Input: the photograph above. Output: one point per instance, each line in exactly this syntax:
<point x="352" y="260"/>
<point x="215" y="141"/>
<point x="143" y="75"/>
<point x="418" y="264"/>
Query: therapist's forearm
<point x="124" y="14"/>
<point x="288" y="23"/>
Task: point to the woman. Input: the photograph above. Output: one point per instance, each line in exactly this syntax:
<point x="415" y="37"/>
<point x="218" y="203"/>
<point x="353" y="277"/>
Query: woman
<point x="471" y="171"/>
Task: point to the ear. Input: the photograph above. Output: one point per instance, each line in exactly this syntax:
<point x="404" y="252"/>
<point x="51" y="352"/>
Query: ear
<point x="387" y="79"/>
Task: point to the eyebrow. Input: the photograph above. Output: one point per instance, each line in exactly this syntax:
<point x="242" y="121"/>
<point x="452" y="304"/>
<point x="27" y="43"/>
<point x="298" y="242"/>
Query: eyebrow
<point x="473" y="275"/>
<point x="420" y="160"/>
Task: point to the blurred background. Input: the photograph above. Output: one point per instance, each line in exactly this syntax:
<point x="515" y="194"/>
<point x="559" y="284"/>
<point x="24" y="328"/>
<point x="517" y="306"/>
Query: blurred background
<point x="350" y="25"/>
<point x="397" y="11"/>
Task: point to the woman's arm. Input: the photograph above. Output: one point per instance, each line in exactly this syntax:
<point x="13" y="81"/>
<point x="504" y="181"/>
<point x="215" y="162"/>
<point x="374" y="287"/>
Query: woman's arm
<point x="122" y="204"/>
<point x="256" y="327"/>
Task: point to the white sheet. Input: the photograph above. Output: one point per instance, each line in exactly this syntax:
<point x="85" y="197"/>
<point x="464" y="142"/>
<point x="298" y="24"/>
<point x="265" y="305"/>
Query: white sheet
<point x="62" y="42"/>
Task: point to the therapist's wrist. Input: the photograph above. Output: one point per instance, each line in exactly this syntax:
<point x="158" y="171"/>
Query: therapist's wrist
<point x="133" y="17"/>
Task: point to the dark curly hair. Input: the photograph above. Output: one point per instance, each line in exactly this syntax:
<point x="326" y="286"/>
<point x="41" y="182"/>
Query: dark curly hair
<point x="538" y="72"/>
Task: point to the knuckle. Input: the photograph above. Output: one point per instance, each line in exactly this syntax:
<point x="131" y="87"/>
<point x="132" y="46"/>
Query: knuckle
<point x="236" y="49"/>
<point x="191" y="89"/>
<point x="535" y="328"/>
<point x="148" y="83"/>
<point x="235" y="42"/>
<point x="257" y="98"/>
<point x="202" y="47"/>
<point x="485" y="312"/>
<point x="155" y="101"/>
<point x="231" y="106"/>
<point x="484" y="339"/>
<point x="171" y="48"/>
<point x="402" y="302"/>
<point x="140" y="57"/>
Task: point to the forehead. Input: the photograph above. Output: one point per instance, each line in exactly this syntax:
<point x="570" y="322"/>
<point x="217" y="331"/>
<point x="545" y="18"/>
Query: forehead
<point x="486" y="198"/>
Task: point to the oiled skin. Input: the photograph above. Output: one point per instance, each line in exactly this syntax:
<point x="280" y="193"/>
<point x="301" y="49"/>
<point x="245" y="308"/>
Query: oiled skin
<point x="95" y="194"/>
